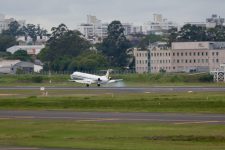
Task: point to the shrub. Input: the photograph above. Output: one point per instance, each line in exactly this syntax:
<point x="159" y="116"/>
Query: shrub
<point x="37" y="79"/>
<point x="206" y="78"/>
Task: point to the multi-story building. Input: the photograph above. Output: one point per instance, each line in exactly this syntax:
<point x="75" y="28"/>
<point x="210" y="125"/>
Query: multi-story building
<point x="4" y="23"/>
<point x="210" y="22"/>
<point x="159" y="26"/>
<point x="95" y="31"/>
<point x="214" y="21"/>
<point x="182" y="57"/>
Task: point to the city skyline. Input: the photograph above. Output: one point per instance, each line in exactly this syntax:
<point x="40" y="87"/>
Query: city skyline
<point x="51" y="13"/>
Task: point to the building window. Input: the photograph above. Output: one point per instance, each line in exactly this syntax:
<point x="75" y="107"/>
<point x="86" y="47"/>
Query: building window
<point x="182" y="54"/>
<point x="217" y="60"/>
<point x="173" y="54"/>
<point x="194" y="53"/>
<point x="178" y="54"/>
<point x="186" y="54"/>
<point x="213" y="53"/>
<point x="202" y="53"/>
<point x="206" y="53"/>
<point x="190" y="54"/>
<point x="178" y="61"/>
<point x="186" y="61"/>
<point x="198" y="54"/>
<point x="190" y="61"/>
<point x="217" y="53"/>
<point x="194" y="61"/>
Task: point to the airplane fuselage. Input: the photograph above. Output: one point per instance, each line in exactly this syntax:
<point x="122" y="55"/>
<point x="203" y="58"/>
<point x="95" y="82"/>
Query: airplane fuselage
<point x="91" y="77"/>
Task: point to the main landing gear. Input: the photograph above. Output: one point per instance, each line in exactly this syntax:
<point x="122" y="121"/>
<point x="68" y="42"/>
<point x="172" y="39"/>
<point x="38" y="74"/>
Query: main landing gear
<point x="87" y="85"/>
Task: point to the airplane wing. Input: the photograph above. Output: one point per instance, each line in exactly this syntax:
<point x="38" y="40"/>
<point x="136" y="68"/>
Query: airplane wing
<point x="114" y="81"/>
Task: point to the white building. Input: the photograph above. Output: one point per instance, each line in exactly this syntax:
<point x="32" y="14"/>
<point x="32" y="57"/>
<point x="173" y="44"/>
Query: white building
<point x="4" y="23"/>
<point x="31" y="49"/>
<point x="210" y="22"/>
<point x="95" y="31"/>
<point x="214" y="21"/>
<point x="159" y="25"/>
<point x="181" y="57"/>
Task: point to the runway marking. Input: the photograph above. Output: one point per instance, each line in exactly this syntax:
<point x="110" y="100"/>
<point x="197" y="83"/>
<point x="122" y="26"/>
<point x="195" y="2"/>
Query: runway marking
<point x="19" y="149"/>
<point x="88" y="119"/>
<point x="199" y="122"/>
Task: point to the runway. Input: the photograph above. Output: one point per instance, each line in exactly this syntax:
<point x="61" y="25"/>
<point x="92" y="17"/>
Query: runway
<point x="173" y="118"/>
<point x="124" y="89"/>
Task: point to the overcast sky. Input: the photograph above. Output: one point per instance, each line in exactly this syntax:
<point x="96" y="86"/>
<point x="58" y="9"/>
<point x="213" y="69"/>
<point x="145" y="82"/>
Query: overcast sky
<point x="50" y="13"/>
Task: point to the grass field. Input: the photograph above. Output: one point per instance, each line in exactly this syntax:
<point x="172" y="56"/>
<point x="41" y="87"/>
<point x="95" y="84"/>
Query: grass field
<point x="130" y="80"/>
<point x="111" y="136"/>
<point x="88" y="101"/>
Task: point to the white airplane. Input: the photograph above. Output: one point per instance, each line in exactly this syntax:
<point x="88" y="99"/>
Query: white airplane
<point x="89" y="79"/>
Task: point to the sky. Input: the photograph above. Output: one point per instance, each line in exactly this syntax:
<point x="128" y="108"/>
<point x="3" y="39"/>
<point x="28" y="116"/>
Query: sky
<point x="50" y="13"/>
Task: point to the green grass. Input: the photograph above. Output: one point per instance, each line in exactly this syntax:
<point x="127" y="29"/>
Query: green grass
<point x="171" y="102"/>
<point x="130" y="80"/>
<point x="111" y="136"/>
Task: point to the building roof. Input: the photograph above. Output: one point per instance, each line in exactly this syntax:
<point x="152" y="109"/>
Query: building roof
<point x="31" y="49"/>
<point x="8" y="63"/>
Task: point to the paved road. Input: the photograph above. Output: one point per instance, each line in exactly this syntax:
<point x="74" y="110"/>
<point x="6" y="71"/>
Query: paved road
<point x="174" y="118"/>
<point x="125" y="89"/>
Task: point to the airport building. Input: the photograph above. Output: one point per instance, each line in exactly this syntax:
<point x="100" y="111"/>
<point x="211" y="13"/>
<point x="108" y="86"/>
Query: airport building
<point x="181" y="57"/>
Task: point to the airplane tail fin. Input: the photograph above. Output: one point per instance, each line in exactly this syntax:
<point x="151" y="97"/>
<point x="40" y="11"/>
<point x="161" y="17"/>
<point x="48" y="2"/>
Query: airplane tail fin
<point x="107" y="73"/>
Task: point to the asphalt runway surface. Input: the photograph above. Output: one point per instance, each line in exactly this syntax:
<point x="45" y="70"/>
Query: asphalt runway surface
<point x="125" y="89"/>
<point x="173" y="118"/>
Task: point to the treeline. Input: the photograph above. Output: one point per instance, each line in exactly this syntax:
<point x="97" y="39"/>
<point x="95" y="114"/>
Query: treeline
<point x="68" y="50"/>
<point x="192" y="33"/>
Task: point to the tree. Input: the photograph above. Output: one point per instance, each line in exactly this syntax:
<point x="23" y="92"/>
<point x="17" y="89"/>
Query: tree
<point x="114" y="46"/>
<point x="62" y="47"/>
<point x="151" y="38"/>
<point x="14" y="29"/>
<point x="192" y="33"/>
<point x="6" y="41"/>
<point x="89" y="61"/>
<point x="21" y="55"/>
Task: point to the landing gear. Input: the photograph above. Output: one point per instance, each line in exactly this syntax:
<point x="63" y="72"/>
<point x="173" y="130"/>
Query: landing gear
<point x="87" y="85"/>
<point x="99" y="85"/>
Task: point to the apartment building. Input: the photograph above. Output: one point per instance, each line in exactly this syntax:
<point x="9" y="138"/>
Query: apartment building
<point x="159" y="25"/>
<point x="95" y="31"/>
<point x="182" y="57"/>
